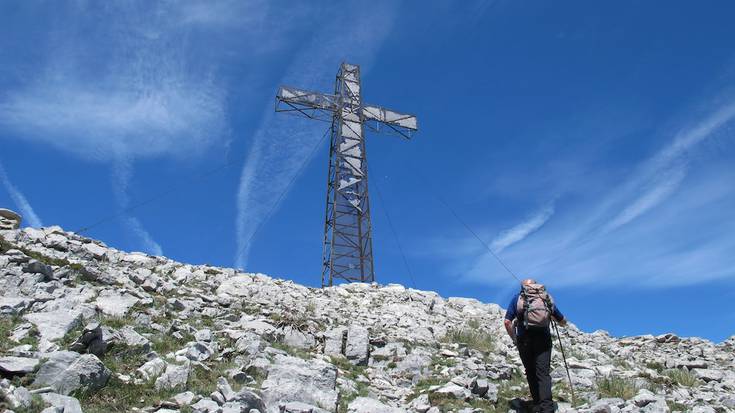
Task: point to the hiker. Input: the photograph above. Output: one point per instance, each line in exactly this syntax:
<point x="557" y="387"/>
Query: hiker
<point x="527" y="322"/>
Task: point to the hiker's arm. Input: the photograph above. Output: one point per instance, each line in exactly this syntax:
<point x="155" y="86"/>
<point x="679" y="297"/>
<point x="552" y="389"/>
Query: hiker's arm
<point x="510" y="315"/>
<point x="511" y="331"/>
<point x="559" y="317"/>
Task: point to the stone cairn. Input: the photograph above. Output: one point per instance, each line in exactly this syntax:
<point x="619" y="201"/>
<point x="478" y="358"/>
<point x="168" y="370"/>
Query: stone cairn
<point x="9" y="219"/>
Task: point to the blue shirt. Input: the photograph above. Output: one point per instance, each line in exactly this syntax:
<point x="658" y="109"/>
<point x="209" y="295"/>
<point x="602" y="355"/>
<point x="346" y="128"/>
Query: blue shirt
<point x="512" y="313"/>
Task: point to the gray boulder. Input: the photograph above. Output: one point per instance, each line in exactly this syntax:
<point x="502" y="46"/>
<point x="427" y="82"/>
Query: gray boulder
<point x="37" y="267"/>
<point x="334" y="341"/>
<point x="67" y="371"/>
<point x="357" y="347"/>
<point x="292" y="379"/>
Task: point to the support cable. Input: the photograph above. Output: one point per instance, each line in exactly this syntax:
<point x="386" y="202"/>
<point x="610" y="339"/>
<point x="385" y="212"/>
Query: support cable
<point x="384" y="207"/>
<point x="171" y="189"/>
<point x="468" y="228"/>
<point x="284" y="192"/>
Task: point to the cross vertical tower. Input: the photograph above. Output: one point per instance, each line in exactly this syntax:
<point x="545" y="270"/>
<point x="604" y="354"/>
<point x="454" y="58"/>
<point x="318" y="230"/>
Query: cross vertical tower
<point x="348" y="247"/>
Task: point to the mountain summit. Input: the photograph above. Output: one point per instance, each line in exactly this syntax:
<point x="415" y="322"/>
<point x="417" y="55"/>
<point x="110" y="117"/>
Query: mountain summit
<point x="86" y="327"/>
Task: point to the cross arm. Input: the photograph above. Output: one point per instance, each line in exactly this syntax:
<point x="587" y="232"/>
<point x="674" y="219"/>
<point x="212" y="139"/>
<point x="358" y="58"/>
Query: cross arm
<point x="313" y="105"/>
<point x="378" y="118"/>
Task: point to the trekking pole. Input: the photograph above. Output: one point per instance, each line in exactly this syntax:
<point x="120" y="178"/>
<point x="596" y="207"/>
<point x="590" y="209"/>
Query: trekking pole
<point x="564" y="357"/>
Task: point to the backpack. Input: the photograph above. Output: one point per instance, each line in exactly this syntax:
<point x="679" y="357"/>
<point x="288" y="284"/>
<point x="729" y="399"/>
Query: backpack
<point x="535" y="306"/>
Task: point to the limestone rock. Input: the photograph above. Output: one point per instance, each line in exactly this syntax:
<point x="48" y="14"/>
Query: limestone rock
<point x="55" y="324"/>
<point x="12" y="366"/>
<point x="357" y="347"/>
<point x="383" y="339"/>
<point x="174" y="377"/>
<point x="151" y="369"/>
<point x="115" y="304"/>
<point x="9" y="219"/>
<point x="37" y="267"/>
<point x="294" y="379"/>
<point x="368" y="405"/>
<point x="66" y="403"/>
<point x="66" y="371"/>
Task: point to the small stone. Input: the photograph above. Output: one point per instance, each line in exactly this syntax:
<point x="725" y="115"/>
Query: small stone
<point x="206" y="406"/>
<point x="151" y="369"/>
<point x="174" y="377"/>
<point x="185" y="399"/>
<point x="66" y="403"/>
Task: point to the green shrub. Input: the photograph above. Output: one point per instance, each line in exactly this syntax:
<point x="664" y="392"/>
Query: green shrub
<point x="472" y="337"/>
<point x="614" y="386"/>
<point x="682" y="377"/>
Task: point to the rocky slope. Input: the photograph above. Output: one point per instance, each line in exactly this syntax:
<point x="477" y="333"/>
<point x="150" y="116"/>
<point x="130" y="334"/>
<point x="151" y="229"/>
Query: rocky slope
<point x="87" y="327"/>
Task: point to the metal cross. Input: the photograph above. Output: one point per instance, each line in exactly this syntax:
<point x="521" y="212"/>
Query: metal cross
<point x="348" y="247"/>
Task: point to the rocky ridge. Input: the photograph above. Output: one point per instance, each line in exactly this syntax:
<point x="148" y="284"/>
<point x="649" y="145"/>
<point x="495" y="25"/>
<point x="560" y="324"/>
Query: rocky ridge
<point x="89" y="328"/>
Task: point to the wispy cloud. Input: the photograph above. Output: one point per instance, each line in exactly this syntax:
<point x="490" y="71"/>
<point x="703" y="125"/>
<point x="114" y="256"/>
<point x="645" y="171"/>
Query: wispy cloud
<point x="519" y="232"/>
<point x="139" y="94"/>
<point x="142" y="99"/>
<point x="20" y="200"/>
<point x="122" y="173"/>
<point x="280" y="146"/>
<point x="665" y="185"/>
<point x="669" y="223"/>
<point x="660" y="176"/>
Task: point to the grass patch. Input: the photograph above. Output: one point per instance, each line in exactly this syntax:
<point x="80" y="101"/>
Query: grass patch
<point x="37" y="405"/>
<point x="5" y="246"/>
<point x="573" y="352"/>
<point x="7" y="325"/>
<point x="163" y="343"/>
<point x="562" y="392"/>
<point x="682" y="377"/>
<point x="345" y="400"/>
<point x="655" y="365"/>
<point x="203" y="381"/>
<point x="614" y="386"/>
<point x="350" y="370"/>
<point x="471" y="335"/>
<point x="423" y="385"/>
<point x="674" y="406"/>
<point x="115" y="322"/>
<point x="441" y="361"/>
<point x="292" y="351"/>
<point x="70" y="337"/>
<point x="515" y="387"/>
<point x="118" y="396"/>
<point x="447" y="403"/>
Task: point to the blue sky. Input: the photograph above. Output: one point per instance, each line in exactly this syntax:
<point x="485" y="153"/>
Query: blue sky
<point x="590" y="144"/>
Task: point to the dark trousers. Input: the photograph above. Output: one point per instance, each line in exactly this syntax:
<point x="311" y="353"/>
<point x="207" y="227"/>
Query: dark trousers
<point x="534" y="348"/>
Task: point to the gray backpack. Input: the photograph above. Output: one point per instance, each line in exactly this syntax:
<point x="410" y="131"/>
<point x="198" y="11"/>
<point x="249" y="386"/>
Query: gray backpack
<point x="535" y="306"/>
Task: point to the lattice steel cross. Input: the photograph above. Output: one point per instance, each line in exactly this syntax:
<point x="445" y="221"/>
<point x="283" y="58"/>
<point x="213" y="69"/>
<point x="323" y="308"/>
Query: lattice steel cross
<point x="348" y="245"/>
